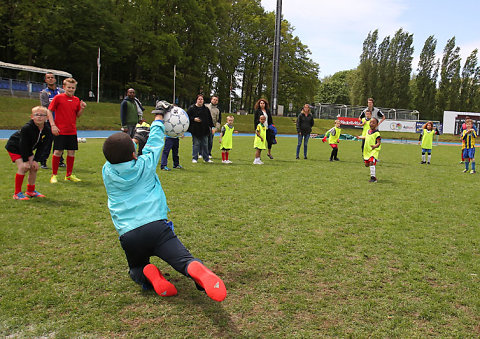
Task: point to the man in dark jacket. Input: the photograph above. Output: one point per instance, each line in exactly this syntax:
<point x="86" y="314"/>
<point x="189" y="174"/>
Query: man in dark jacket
<point x="200" y="127"/>
<point x="131" y="111"/>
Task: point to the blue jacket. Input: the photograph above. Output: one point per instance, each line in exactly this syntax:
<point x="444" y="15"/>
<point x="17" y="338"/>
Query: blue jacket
<point x="135" y="194"/>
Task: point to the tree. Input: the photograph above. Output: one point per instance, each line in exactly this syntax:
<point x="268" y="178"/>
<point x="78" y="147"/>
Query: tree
<point x="335" y="89"/>
<point x="426" y="79"/>
<point x="366" y="79"/>
<point x="470" y="83"/>
<point x="449" y="87"/>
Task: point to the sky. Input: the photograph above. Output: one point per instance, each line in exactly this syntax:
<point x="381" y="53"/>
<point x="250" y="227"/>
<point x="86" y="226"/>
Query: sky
<point x="334" y="30"/>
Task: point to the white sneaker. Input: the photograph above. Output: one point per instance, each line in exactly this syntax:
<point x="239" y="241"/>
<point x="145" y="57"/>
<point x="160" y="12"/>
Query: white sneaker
<point x="210" y="161"/>
<point x="194" y="161"/>
<point x="200" y="157"/>
<point x="260" y="162"/>
<point x="228" y="161"/>
<point x="224" y="162"/>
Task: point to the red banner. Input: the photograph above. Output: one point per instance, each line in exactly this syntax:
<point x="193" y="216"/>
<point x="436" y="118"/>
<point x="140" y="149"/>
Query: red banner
<point x="349" y="122"/>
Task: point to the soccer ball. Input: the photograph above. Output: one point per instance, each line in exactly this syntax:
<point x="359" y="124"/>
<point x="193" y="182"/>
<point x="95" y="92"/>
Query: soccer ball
<point x="176" y="122"/>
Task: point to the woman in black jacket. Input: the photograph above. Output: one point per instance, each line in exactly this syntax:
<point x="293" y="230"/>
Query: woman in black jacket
<point x="304" y="128"/>
<point x="262" y="108"/>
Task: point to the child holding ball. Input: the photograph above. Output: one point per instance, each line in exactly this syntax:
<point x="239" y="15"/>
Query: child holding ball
<point x="132" y="184"/>
<point x="372" y="148"/>
<point x="34" y="135"/>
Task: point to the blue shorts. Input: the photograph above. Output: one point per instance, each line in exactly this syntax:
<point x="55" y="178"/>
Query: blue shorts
<point x="427" y="150"/>
<point x="469" y="153"/>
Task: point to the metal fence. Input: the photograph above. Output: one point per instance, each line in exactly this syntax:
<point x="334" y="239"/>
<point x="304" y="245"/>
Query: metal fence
<point x="332" y="111"/>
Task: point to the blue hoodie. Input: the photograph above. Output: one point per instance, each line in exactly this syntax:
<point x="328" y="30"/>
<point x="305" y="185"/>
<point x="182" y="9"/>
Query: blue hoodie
<point x="135" y="194"/>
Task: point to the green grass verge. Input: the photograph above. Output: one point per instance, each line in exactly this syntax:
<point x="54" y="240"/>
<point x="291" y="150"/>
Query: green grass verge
<point x="14" y="112"/>
<point x="307" y="248"/>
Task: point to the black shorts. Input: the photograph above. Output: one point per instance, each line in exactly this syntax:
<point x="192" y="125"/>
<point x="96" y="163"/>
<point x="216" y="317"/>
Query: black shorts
<point x="65" y="142"/>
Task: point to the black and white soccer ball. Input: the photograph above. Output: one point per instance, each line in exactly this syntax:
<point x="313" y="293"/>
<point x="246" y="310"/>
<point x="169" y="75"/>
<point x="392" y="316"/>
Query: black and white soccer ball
<point x="176" y="122"/>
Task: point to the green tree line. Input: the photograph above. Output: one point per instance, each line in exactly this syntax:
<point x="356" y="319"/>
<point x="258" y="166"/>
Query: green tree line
<point x="218" y="46"/>
<point x="385" y="73"/>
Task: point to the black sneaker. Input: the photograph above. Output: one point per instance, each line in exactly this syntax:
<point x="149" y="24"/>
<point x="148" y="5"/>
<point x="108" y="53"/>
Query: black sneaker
<point x="297" y="158"/>
<point x="178" y="167"/>
<point x="44" y="166"/>
<point x="62" y="164"/>
<point x="336" y="159"/>
<point x="331" y="159"/>
<point x="373" y="179"/>
<point x="423" y="162"/>
<point x="428" y="163"/>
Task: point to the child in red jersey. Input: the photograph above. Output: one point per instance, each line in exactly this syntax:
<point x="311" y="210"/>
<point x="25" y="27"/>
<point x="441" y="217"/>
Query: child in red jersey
<point x="35" y="134"/>
<point x="67" y="109"/>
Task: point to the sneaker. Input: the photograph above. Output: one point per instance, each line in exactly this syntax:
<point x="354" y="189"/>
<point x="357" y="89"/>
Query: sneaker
<point x="270" y="156"/>
<point x="200" y="157"/>
<point x="209" y="281"/>
<point x="35" y="194"/>
<point x="194" y="161"/>
<point x="54" y="179"/>
<point x="162" y="286"/>
<point x="178" y="167"/>
<point x="331" y="159"/>
<point x="260" y="162"/>
<point x="62" y="164"/>
<point x="72" y="177"/>
<point x="43" y="166"/>
<point x="465" y="171"/>
<point x="473" y="172"/>
<point x="228" y="162"/>
<point x="210" y="156"/>
<point x="423" y="162"/>
<point x="305" y="158"/>
<point x="428" y="163"/>
<point x="336" y="159"/>
<point x="373" y="179"/>
<point x="298" y="158"/>
<point x="165" y="168"/>
<point x="209" y="161"/>
<point x="20" y="196"/>
<point x="257" y="162"/>
<point x="224" y="162"/>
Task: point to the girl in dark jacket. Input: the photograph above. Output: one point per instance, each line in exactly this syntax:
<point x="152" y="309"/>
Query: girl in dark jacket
<point x="262" y="108"/>
<point x="304" y="128"/>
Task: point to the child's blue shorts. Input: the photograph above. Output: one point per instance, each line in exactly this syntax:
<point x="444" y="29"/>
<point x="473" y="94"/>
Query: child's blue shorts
<point x="427" y="150"/>
<point x="469" y="153"/>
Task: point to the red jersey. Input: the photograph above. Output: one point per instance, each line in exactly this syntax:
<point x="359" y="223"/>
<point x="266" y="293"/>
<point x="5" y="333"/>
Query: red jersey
<point x="66" y="109"/>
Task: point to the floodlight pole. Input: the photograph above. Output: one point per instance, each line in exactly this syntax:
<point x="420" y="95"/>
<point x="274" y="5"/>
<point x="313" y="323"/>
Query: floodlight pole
<point x="174" y="78"/>
<point x="276" y="56"/>
<point x="98" y="76"/>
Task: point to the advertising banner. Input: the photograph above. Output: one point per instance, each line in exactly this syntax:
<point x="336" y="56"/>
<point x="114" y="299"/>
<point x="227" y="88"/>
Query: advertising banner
<point x="460" y="120"/>
<point x="437" y="125"/>
<point x="398" y="126"/>
<point x="349" y="122"/>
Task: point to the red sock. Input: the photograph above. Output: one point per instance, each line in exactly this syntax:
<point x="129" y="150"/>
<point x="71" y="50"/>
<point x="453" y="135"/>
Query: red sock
<point x="223" y="156"/>
<point x="213" y="285"/>
<point x="70" y="161"/>
<point x="226" y="155"/>
<point x="30" y="188"/>
<point x="162" y="286"/>
<point x="18" y="182"/>
<point x="55" y="164"/>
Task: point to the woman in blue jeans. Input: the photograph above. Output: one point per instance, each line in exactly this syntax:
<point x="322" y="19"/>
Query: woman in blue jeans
<point x="304" y="128"/>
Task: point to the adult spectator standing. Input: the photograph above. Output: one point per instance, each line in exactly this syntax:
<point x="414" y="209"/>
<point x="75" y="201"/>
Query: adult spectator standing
<point x="376" y="113"/>
<point x="217" y="121"/>
<point x="131" y="112"/>
<point x="46" y="97"/>
<point x="304" y="128"/>
<point x="262" y="108"/>
<point x="201" y="125"/>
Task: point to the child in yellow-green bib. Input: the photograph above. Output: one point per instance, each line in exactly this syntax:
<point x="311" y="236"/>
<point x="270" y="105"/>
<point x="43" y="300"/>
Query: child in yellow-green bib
<point x="372" y="148"/>
<point x="333" y="136"/>
<point x="426" y="139"/>
<point x="260" y="142"/>
<point x="226" y="139"/>
<point x="365" y="123"/>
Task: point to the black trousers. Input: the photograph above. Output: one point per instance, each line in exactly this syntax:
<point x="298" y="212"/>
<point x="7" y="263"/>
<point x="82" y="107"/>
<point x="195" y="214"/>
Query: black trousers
<point x="155" y="238"/>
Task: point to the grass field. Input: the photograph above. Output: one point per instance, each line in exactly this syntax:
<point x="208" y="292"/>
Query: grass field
<point x="307" y="248"/>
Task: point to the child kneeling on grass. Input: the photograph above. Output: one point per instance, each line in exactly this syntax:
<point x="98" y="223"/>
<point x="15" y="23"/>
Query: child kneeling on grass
<point x="132" y="185"/>
<point x="35" y="134"/>
<point x="372" y="148"/>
